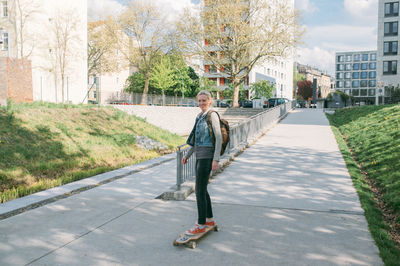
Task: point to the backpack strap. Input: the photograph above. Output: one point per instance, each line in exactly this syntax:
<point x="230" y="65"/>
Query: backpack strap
<point x="209" y="123"/>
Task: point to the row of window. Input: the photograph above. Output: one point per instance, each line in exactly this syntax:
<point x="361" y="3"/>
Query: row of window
<point x="356" y="84"/>
<point x="356" y="57"/>
<point x="391" y="9"/>
<point x="356" y="75"/>
<point x="356" y="66"/>
<point x="360" y="92"/>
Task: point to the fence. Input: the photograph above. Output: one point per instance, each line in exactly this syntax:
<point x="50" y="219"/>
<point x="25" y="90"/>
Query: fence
<point x="240" y="135"/>
<point x="152" y="99"/>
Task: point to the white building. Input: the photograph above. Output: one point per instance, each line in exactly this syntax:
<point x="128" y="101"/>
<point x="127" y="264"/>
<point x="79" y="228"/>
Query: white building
<point x="388" y="43"/>
<point x="41" y="45"/>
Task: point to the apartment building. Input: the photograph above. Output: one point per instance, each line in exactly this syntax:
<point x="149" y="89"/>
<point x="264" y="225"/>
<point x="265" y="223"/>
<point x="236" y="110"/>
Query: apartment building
<point x="54" y="77"/>
<point x="277" y="70"/>
<point x="356" y="74"/>
<point x="388" y="44"/>
<point x="324" y="81"/>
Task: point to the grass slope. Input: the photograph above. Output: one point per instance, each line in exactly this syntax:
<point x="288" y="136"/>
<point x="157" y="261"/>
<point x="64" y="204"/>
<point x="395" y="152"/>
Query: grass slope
<point x="47" y="145"/>
<point x="369" y="138"/>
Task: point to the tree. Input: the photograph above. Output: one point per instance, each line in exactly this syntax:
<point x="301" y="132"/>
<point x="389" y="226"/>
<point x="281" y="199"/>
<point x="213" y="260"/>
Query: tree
<point x="142" y="23"/>
<point x="305" y="89"/>
<point x="236" y="35"/>
<point x="64" y="38"/>
<point x="103" y="54"/>
<point x="20" y="14"/>
<point x="162" y="75"/>
<point x="262" y="88"/>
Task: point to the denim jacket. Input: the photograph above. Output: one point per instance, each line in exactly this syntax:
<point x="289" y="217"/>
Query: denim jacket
<point x="200" y="135"/>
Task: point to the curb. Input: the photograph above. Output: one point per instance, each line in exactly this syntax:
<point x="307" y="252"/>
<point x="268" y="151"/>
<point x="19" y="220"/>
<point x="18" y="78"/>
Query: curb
<point x="17" y="206"/>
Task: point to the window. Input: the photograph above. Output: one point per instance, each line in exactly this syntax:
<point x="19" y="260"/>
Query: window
<point x="347" y="75"/>
<point x="356" y="66"/>
<point x="356" y="58"/>
<point x="392" y="9"/>
<point x="364" y="75"/>
<point x="4" y="9"/>
<point x="391" y="28"/>
<point x="372" y="65"/>
<point x="363" y="83"/>
<point x="348" y="66"/>
<point x="355" y="92"/>
<point x="372" y="83"/>
<point x="365" y="57"/>
<point x="4" y="41"/>
<point x="356" y="75"/>
<point x="390" y="67"/>
<point x="348" y="58"/>
<point x="340" y="67"/>
<point x="372" y="74"/>
<point x="347" y="84"/>
<point x="372" y="57"/>
<point x="364" y="66"/>
<point x="355" y="84"/>
<point x="339" y="84"/>
<point x="390" y="48"/>
<point x="371" y="92"/>
<point x="339" y="75"/>
<point x="363" y="92"/>
<point x="340" y="58"/>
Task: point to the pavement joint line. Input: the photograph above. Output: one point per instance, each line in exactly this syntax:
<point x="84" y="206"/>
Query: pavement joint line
<point x="87" y="233"/>
<point x="357" y="213"/>
<point x="70" y="193"/>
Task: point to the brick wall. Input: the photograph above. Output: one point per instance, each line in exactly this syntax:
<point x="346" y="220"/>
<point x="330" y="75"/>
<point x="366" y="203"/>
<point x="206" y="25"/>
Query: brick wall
<point x="3" y="81"/>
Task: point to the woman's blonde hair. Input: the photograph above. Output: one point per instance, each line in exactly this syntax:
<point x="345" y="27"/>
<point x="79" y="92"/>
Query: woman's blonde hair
<point x="206" y="93"/>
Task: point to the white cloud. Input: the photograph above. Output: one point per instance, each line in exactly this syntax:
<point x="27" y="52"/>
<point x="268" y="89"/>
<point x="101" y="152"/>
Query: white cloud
<point x="172" y="8"/>
<point x="306" y="6"/>
<point x="323" y="59"/>
<point x="100" y="9"/>
<point x="365" y="10"/>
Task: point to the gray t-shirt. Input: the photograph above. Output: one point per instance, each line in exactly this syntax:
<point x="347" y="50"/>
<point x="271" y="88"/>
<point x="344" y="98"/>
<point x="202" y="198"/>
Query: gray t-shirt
<point x="209" y="152"/>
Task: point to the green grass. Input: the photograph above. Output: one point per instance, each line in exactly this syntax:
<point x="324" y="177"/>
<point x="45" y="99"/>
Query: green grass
<point x="44" y="145"/>
<point x="372" y="134"/>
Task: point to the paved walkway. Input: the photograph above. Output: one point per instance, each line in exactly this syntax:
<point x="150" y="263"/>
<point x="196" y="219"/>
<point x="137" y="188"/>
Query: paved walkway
<point x="287" y="200"/>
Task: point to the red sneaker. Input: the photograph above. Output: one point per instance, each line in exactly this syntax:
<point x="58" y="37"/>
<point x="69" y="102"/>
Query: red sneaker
<point x="210" y="224"/>
<point x="196" y="230"/>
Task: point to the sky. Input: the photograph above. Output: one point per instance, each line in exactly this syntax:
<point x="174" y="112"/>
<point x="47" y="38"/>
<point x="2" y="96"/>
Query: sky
<point x="331" y="25"/>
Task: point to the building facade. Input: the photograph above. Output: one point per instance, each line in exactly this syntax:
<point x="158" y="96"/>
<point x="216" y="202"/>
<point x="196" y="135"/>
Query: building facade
<point x="356" y="75"/>
<point x="55" y="77"/>
<point x="388" y="43"/>
<point x="324" y="81"/>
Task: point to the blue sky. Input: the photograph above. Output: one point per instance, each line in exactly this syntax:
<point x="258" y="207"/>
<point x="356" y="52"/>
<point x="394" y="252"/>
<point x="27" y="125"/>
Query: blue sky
<point x="331" y="25"/>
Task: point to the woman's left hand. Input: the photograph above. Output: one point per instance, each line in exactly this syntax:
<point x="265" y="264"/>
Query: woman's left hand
<point x="215" y="165"/>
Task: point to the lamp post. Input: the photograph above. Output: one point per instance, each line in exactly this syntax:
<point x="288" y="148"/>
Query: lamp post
<point x="380" y="85"/>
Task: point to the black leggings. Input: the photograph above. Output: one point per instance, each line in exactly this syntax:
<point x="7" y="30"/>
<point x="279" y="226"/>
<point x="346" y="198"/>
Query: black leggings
<point x="203" y="170"/>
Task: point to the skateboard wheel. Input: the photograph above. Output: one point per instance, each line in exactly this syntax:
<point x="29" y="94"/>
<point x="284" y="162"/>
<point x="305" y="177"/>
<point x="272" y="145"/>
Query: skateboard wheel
<point x="175" y="243"/>
<point x="216" y="228"/>
<point x="192" y="244"/>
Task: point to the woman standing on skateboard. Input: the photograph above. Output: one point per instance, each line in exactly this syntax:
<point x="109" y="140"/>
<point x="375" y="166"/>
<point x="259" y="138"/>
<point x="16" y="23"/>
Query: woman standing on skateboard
<point x="207" y="158"/>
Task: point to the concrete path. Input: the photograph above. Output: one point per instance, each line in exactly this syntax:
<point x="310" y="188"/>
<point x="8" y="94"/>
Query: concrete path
<point x="287" y="200"/>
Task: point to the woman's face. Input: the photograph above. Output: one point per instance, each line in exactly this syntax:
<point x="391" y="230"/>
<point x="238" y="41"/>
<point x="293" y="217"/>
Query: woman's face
<point x="204" y="102"/>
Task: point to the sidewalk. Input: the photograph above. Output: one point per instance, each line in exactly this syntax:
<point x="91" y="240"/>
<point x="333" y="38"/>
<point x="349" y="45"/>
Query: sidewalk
<point x="287" y="200"/>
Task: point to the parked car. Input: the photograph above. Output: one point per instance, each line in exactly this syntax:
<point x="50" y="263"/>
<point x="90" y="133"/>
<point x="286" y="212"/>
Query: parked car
<point x="272" y="102"/>
<point x="246" y="104"/>
<point x="224" y="103"/>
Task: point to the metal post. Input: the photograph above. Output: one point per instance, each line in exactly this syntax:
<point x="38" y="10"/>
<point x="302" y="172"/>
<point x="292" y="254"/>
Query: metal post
<point x="179" y="168"/>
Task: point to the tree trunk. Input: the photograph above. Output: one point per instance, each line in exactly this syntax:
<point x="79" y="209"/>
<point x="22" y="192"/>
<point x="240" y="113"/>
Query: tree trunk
<point x="146" y="89"/>
<point x="235" y="100"/>
<point x="62" y="88"/>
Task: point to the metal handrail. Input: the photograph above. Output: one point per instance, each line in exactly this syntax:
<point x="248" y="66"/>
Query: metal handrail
<point x="240" y="134"/>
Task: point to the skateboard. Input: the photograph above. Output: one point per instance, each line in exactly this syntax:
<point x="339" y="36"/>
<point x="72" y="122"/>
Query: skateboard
<point x="189" y="240"/>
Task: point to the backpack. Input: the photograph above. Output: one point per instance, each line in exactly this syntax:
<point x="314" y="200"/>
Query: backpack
<point x="224" y="125"/>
